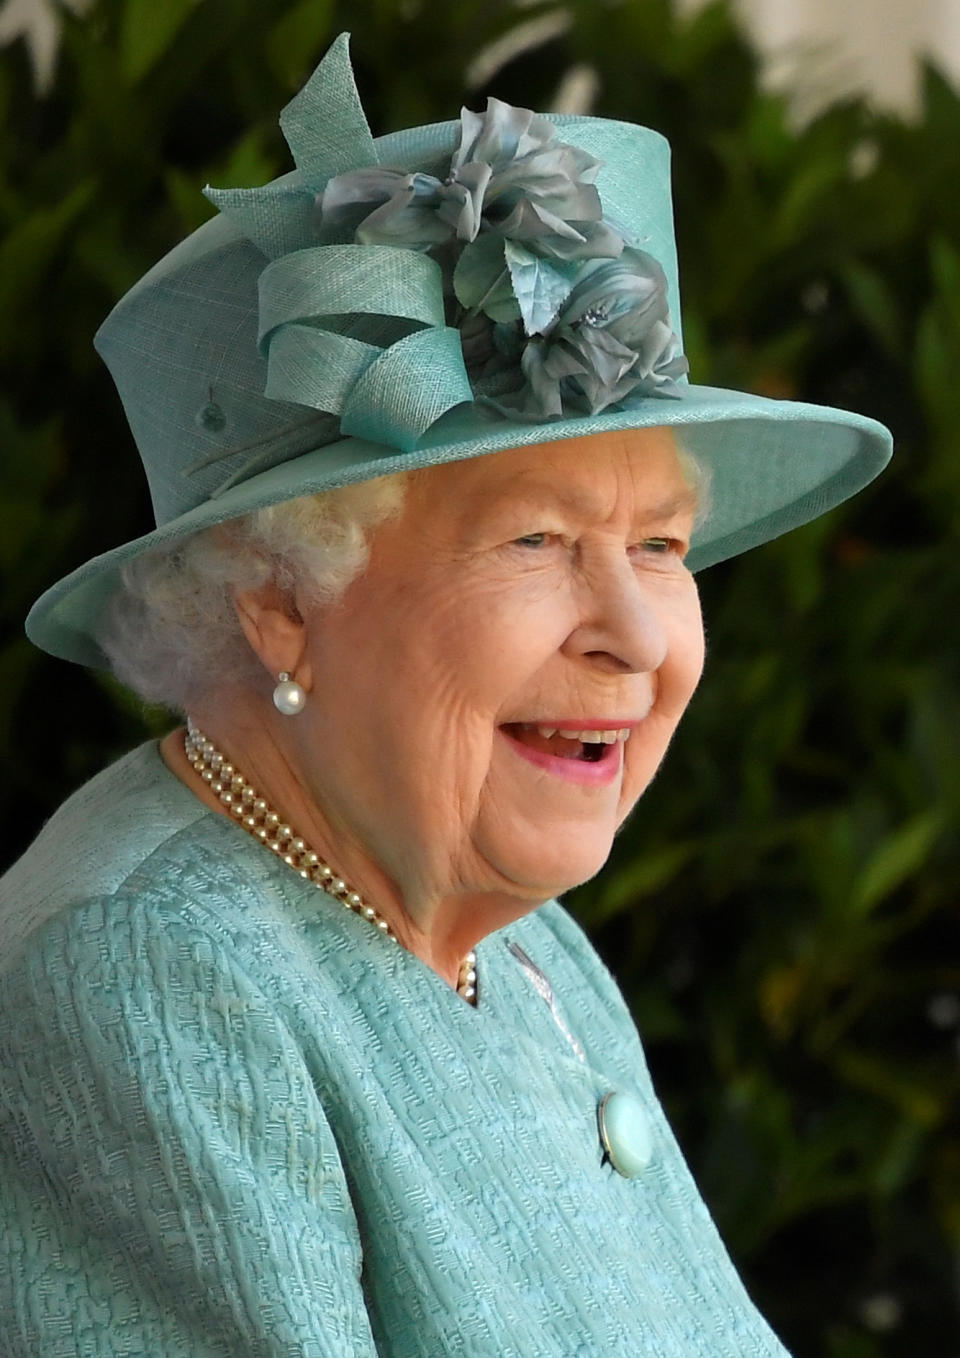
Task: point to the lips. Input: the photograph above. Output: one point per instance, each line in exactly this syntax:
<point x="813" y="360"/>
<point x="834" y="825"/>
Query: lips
<point x="581" y="754"/>
<point x="568" y="742"/>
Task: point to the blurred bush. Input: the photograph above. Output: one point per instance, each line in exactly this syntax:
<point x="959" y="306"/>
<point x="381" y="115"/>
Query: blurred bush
<point x="782" y="909"/>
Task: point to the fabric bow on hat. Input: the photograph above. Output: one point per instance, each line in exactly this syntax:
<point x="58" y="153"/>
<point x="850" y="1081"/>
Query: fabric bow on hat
<point x="395" y="294"/>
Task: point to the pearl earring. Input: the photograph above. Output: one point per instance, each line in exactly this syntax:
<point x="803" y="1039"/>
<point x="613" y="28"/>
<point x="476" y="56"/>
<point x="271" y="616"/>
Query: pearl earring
<point x="289" y="697"/>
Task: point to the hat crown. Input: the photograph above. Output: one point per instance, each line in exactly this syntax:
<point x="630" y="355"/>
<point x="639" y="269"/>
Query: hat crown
<point x="222" y="378"/>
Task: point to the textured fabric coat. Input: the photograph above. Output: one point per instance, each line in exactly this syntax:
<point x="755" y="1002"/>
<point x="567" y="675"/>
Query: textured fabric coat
<point x="236" y="1120"/>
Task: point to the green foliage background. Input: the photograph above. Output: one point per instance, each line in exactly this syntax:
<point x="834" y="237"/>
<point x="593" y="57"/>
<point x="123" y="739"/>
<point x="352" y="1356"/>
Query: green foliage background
<point x="782" y="910"/>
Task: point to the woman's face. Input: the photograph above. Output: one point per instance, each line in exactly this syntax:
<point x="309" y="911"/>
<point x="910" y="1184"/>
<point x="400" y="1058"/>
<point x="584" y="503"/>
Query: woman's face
<point x="518" y="595"/>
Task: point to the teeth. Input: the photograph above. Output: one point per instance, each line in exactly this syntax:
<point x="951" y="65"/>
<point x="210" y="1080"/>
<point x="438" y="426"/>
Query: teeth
<point x="587" y="737"/>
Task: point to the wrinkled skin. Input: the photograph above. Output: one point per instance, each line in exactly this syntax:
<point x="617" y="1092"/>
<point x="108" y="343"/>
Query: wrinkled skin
<point x="542" y="585"/>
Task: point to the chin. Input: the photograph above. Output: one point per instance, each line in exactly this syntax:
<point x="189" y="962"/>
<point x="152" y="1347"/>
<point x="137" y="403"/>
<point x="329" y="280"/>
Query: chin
<point x="551" y="872"/>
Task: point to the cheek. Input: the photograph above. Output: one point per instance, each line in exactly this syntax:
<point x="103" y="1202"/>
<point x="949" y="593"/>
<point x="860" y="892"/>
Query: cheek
<point x="676" y="683"/>
<point x="689" y="658"/>
<point x="485" y="649"/>
<point x="683" y="666"/>
<point x="433" y="671"/>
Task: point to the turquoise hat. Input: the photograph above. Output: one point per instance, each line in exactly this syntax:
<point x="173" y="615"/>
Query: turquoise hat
<point x="439" y="293"/>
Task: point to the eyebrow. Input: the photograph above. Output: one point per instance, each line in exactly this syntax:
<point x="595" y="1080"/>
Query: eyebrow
<point x="686" y="500"/>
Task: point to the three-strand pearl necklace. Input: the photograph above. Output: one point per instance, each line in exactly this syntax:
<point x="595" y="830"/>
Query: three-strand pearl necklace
<point x="256" y="815"/>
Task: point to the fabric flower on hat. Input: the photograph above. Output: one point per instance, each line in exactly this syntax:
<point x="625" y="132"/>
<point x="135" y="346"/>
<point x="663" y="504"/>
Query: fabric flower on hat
<point x="611" y="340"/>
<point x="554" y="308"/>
<point x="510" y="174"/>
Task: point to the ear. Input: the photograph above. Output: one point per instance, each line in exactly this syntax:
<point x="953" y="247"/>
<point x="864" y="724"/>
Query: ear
<point x="275" y="630"/>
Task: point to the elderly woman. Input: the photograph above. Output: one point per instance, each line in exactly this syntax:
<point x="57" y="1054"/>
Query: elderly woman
<point x="430" y="483"/>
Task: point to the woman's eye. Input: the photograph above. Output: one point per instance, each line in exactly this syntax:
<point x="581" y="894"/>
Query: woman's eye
<point x="668" y="549"/>
<point x="531" y="540"/>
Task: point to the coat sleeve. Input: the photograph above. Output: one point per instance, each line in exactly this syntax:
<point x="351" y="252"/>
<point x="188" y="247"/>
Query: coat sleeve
<point x="169" y="1183"/>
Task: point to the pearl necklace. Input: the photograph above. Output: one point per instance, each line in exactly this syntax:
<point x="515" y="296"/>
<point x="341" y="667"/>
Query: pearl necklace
<point x="257" y="816"/>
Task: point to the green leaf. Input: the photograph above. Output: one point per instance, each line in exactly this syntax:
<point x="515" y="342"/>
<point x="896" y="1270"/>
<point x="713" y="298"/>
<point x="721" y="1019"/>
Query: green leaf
<point x="647" y="873"/>
<point x="941" y="102"/>
<point x="897" y="1160"/>
<point x="898" y="858"/>
<point x="481" y="279"/>
<point x="920" y="1101"/>
<point x="945" y="271"/>
<point x="874" y="300"/>
<point x="249" y="162"/>
<point x="191" y="207"/>
<point x="28" y="251"/>
<point x="541" y="286"/>
<point x="298" y="39"/>
<point x="149" y="28"/>
<point x="945" y="262"/>
<point x="936" y="358"/>
<point x="804" y="201"/>
<point x="707" y="30"/>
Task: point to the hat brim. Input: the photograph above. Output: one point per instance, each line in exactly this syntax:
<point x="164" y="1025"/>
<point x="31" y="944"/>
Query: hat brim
<point x="773" y="466"/>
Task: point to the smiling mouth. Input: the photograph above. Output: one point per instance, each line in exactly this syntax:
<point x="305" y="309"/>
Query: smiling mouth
<point x="589" y="746"/>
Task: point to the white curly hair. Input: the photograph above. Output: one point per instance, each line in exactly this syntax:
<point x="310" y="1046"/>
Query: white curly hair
<point x="172" y="625"/>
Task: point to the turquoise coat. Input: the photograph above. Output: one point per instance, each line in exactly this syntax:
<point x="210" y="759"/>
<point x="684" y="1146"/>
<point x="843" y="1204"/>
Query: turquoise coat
<point x="237" y="1121"/>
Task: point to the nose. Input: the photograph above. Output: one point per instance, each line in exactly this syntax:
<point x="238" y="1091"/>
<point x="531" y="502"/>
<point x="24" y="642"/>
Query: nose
<point x="621" y="630"/>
